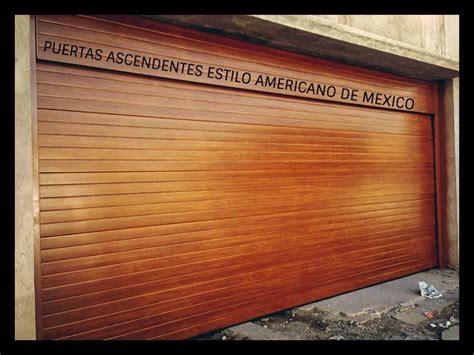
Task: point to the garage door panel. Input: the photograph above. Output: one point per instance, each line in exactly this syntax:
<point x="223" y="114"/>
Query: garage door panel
<point x="169" y="227"/>
<point x="55" y="83"/>
<point x="112" y="81"/>
<point x="236" y="122"/>
<point x="111" y="324"/>
<point x="197" y="282"/>
<point x="169" y="208"/>
<point x="175" y="52"/>
<point x="375" y="80"/>
<point x="351" y="226"/>
<point x="116" y="154"/>
<point x="142" y="268"/>
<point x="186" y="109"/>
<point x="194" y="241"/>
<point x="272" y="283"/>
<point x="315" y="245"/>
<point x="134" y="199"/>
<point x="121" y="165"/>
<point x="187" y="227"/>
<point x="156" y="252"/>
<point x="405" y="220"/>
<point x="171" y="135"/>
<point x="52" y="229"/>
<point x="82" y="214"/>
<point x="147" y="85"/>
<point x="67" y="141"/>
<point x="318" y="184"/>
<point x="85" y="178"/>
<point x="216" y="52"/>
<point x="319" y="137"/>
<point x="56" y="285"/>
<point x="102" y="248"/>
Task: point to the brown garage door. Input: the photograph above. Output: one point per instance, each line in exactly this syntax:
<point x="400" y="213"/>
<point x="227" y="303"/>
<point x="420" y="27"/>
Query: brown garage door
<point x="170" y="208"/>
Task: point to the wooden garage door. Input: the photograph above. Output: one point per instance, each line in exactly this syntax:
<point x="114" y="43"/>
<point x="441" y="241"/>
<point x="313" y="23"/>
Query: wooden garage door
<point x="170" y="208"/>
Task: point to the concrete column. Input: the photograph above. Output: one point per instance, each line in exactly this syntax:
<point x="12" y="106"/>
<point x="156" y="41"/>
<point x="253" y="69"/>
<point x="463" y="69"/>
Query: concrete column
<point x="449" y="164"/>
<point x="25" y="328"/>
<point x="451" y="142"/>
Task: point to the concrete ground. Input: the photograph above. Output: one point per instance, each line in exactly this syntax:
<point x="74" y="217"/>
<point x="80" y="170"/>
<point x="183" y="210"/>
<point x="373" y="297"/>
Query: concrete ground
<point x="393" y="310"/>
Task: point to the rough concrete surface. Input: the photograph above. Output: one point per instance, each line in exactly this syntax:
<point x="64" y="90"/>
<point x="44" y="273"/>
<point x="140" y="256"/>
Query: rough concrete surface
<point x="343" y="41"/>
<point x="393" y="310"/>
<point x="386" y="295"/>
<point x="257" y="332"/>
<point x="451" y="334"/>
<point x="24" y="228"/>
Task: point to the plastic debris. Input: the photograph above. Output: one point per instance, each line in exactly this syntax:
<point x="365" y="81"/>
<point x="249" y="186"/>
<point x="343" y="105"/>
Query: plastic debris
<point x="445" y="325"/>
<point x="428" y="291"/>
<point x="453" y="320"/>
<point x="265" y="319"/>
<point x="429" y="315"/>
<point x="224" y="337"/>
<point x="336" y="337"/>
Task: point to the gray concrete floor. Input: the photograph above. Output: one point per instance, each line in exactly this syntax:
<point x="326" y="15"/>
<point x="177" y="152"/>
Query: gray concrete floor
<point x="392" y="310"/>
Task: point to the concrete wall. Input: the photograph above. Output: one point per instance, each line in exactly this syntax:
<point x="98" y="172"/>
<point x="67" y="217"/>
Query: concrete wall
<point x="24" y="206"/>
<point x="431" y="33"/>
<point x="381" y="44"/>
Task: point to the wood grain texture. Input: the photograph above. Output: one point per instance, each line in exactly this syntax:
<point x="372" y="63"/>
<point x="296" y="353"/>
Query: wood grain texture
<point x="170" y="208"/>
<point x="170" y="43"/>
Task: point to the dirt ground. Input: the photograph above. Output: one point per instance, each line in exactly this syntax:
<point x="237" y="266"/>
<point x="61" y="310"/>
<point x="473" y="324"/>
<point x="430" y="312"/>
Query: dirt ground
<point x="319" y="325"/>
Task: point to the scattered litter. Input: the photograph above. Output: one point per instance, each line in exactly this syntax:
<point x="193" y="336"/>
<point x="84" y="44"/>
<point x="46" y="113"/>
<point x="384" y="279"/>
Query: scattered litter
<point x="428" y="291"/>
<point x="336" y="337"/>
<point x="265" y="319"/>
<point x="224" y="337"/>
<point x="453" y="320"/>
<point x="429" y="315"/>
<point x="265" y="326"/>
<point x="445" y="325"/>
<point x="441" y="325"/>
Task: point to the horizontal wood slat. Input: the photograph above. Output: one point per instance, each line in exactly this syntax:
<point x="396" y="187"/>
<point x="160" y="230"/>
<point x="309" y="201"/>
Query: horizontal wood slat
<point x="144" y="209"/>
<point x="75" y="252"/>
<point x="142" y="268"/>
<point x="270" y="249"/>
<point x="198" y="231"/>
<point x="270" y="276"/>
<point x="76" y="77"/>
<point x="169" y="208"/>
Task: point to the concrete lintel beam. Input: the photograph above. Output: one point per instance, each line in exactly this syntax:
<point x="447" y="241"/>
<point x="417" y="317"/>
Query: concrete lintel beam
<point x="323" y="38"/>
